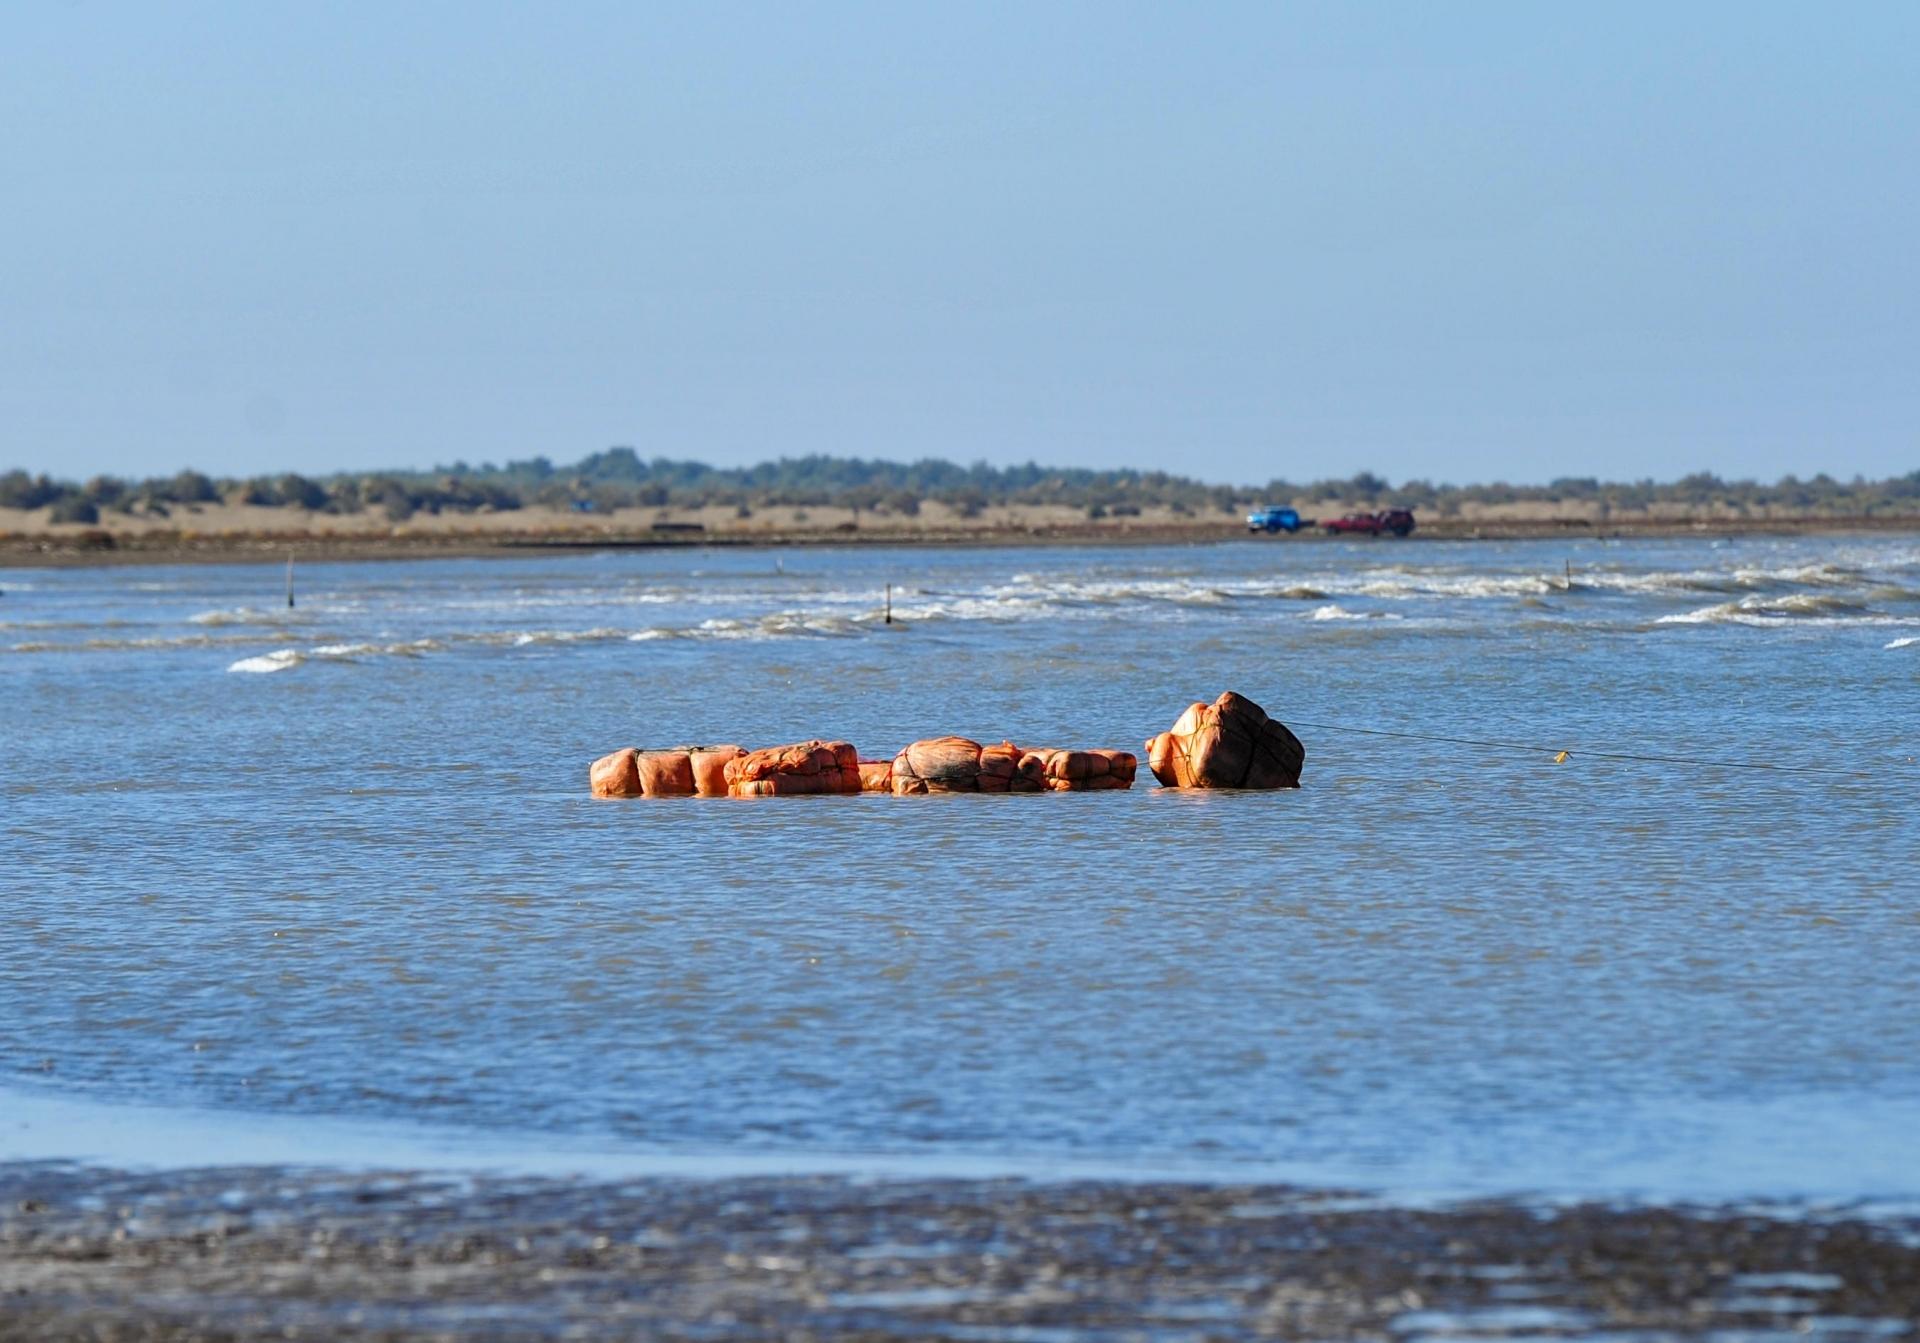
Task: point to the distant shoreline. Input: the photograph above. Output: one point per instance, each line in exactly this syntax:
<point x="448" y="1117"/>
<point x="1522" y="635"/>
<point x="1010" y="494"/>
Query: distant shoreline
<point x="42" y="545"/>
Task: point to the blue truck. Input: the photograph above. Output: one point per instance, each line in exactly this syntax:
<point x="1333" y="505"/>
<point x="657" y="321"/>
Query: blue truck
<point x="1272" y="519"/>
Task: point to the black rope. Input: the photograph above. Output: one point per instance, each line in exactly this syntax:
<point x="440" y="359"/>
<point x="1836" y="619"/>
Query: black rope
<point x="1572" y="751"/>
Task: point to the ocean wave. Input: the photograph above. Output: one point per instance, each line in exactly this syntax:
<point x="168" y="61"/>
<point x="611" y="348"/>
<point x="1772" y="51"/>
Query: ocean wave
<point x="1801" y="575"/>
<point x="1393" y="582"/>
<point x="1760" y="609"/>
<point x="65" y="624"/>
<point x="285" y="659"/>
<point x="1469" y="586"/>
<point x="1892" y="592"/>
<point x="1491" y="587"/>
<point x="1064" y="592"/>
<point x="781" y="625"/>
<point x="1335" y="611"/>
<point x="976" y="608"/>
<point x="786" y="625"/>
<point x="572" y="601"/>
<point x="1028" y="595"/>
<point x="1907" y="642"/>
<point x="1656" y="584"/>
<point x="245" y="615"/>
<point x="1750" y="578"/>
<point x="151" y="642"/>
<point x="1807" y="604"/>
<point x="524" y="638"/>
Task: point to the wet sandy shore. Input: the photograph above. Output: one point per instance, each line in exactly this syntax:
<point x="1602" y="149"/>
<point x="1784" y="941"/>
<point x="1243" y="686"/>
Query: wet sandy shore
<point x="253" y="1252"/>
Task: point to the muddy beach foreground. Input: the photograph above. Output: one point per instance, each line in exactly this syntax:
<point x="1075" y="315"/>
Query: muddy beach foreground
<point x="252" y="1252"/>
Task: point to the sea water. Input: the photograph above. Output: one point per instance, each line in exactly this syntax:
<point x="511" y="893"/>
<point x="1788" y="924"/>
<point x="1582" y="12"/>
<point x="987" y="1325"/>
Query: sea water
<point x="294" y="870"/>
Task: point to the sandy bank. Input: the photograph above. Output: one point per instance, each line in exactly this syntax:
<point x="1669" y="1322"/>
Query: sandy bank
<point x="234" y="532"/>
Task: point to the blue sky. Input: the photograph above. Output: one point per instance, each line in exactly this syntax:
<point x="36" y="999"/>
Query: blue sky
<point x="1464" y="241"/>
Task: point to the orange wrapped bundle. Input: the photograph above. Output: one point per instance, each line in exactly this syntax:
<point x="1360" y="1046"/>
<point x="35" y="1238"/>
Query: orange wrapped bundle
<point x="1007" y="768"/>
<point x="1230" y="743"/>
<point x="960" y="765"/>
<point x="614" y="775"/>
<point x="710" y="767"/>
<point x="876" y="776"/>
<point x="937" y="765"/>
<point x="632" y="773"/>
<point x="1082" y="771"/>
<point x="782" y="771"/>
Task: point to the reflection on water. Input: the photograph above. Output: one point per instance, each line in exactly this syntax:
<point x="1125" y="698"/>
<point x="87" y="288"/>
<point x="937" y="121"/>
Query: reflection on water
<point x="366" y="881"/>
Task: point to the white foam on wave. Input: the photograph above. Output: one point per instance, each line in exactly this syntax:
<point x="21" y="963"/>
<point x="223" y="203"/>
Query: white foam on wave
<point x="778" y="625"/>
<point x="1030" y="595"/>
<point x="1034" y="595"/>
<point x="1907" y="642"/>
<point x="599" y="634"/>
<point x="797" y="624"/>
<point x="791" y="626"/>
<point x="820" y="626"/>
<point x="570" y="600"/>
<point x="1657" y="583"/>
<point x="1391" y="583"/>
<point x="285" y="659"/>
<point x="1801" y="608"/>
<point x="1027" y="590"/>
<point x="345" y="650"/>
<point x="978" y="608"/>
<point x="281" y="659"/>
<point x="1471" y="586"/>
<point x="1802" y="575"/>
<point x="1748" y="578"/>
<point x="1335" y="611"/>
<point x="1807" y="604"/>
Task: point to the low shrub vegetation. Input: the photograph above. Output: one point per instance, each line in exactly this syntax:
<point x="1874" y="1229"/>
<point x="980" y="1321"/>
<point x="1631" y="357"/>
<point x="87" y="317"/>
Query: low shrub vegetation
<point x="620" y="478"/>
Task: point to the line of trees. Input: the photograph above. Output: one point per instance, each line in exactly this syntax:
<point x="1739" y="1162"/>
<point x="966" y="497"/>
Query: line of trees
<point x="620" y="478"/>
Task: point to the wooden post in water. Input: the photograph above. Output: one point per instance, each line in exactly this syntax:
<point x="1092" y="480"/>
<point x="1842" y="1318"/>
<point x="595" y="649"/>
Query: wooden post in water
<point x="1569" y="575"/>
<point x="289" y="580"/>
<point x="889" y="603"/>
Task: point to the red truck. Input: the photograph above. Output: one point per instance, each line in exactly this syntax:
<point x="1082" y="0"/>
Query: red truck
<point x="1394" y="521"/>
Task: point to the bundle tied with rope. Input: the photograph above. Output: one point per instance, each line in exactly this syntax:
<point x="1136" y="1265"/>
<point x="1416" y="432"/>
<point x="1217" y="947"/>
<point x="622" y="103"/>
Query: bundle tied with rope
<point x="678" y="771"/>
<point x="1231" y="743"/>
<point x="962" y="765"/>
<point x="803" y="768"/>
